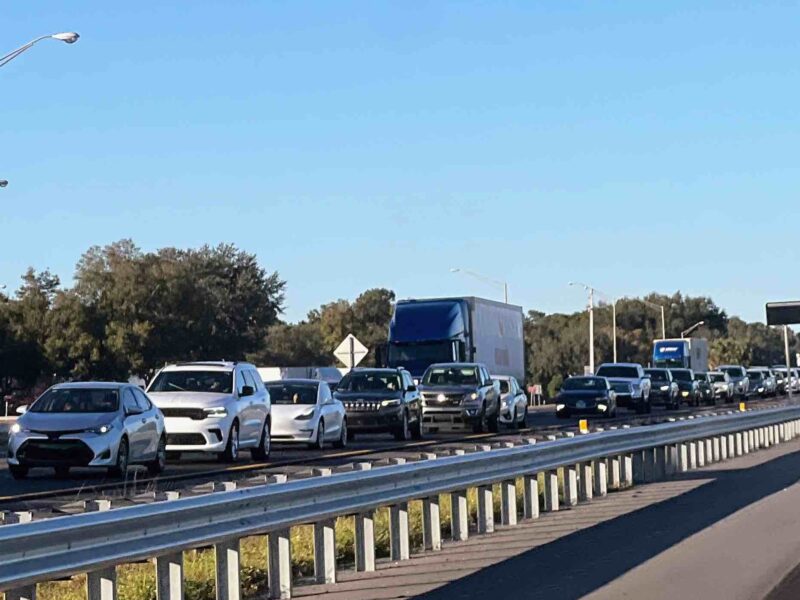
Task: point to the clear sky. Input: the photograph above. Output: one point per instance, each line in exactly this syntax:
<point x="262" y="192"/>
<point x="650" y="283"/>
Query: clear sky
<point x="637" y="146"/>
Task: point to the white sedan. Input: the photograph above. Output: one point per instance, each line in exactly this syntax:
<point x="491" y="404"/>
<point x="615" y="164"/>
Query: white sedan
<point x="513" y="402"/>
<point x="305" y="411"/>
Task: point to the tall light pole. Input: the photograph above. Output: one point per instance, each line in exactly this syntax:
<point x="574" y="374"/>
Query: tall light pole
<point x="613" y="302"/>
<point x="69" y="37"/>
<point x="788" y="361"/>
<point x="692" y="328"/>
<point x="663" y="322"/>
<point x="485" y="279"/>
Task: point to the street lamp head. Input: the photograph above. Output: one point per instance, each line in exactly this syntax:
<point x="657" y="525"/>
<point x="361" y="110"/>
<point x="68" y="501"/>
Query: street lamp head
<point x="70" y="37"/>
<point x="454" y="270"/>
<point x="3" y="183"/>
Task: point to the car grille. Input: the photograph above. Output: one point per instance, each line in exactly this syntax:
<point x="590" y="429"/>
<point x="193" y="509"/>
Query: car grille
<point x="73" y="452"/>
<point x="357" y="405"/>
<point x="185" y="439"/>
<point x="196" y="414"/>
<point x="446" y="399"/>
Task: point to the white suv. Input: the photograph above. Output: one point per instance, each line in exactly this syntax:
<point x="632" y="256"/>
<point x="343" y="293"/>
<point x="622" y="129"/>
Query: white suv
<point x="219" y="407"/>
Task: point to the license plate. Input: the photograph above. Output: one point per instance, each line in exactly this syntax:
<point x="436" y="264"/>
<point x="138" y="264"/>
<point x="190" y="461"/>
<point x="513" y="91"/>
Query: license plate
<point x="580" y="404"/>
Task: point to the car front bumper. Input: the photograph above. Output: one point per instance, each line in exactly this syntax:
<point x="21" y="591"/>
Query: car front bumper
<point x="189" y="435"/>
<point x="375" y="420"/>
<point x="71" y="450"/>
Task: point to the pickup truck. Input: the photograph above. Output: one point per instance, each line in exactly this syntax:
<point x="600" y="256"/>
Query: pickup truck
<point x="457" y="396"/>
<point x="633" y="374"/>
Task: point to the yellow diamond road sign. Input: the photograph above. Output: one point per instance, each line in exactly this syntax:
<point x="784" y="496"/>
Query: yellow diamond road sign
<point x="350" y="351"/>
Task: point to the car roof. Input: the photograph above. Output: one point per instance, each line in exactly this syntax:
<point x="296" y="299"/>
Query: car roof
<point x="78" y="385"/>
<point x="377" y="370"/>
<point x="294" y="380"/>
<point x="503" y="377"/>
<point x="656" y="369"/>
<point x="211" y="365"/>
<point x="620" y="364"/>
<point x="456" y="364"/>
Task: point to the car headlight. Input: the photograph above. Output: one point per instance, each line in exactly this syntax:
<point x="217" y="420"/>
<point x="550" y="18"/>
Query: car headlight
<point x="761" y="389"/>
<point x="602" y="407"/>
<point x="684" y="394"/>
<point x="17" y="428"/>
<point x="305" y="416"/>
<point x="473" y="396"/>
<point x="216" y="412"/>
<point x="390" y="402"/>
<point x="664" y="388"/>
<point x="102" y="430"/>
<point x="559" y="407"/>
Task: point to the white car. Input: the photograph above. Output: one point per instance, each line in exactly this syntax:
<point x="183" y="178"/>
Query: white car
<point x="215" y="407"/>
<point x="513" y="402"/>
<point x="304" y="410"/>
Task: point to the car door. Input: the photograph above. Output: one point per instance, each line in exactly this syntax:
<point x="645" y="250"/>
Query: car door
<point x="134" y="426"/>
<point x="411" y="396"/>
<point x="520" y="400"/>
<point x="261" y="403"/>
<point x="330" y="411"/>
<point x="151" y="427"/>
<point x="248" y="421"/>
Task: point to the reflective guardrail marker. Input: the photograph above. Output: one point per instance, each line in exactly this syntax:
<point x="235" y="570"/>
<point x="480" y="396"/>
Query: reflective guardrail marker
<point x="742" y="407"/>
<point x="583" y="425"/>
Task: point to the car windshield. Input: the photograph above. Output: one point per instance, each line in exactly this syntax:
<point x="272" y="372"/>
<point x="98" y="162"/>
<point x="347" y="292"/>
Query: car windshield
<point x="211" y="382"/>
<point x="717" y="377"/>
<point x="700" y="377"/>
<point x="657" y="374"/>
<point x="584" y="384"/>
<point x="504" y="386"/>
<point x="374" y="381"/>
<point x="618" y="371"/>
<point x="734" y="371"/>
<point x="293" y="393"/>
<point x="680" y="375"/>
<point x="451" y="376"/>
<point x="74" y="400"/>
<point x="621" y="386"/>
<point x="755" y="374"/>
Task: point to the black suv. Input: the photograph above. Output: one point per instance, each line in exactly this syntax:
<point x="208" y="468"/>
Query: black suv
<point x="689" y="389"/>
<point x="705" y="387"/>
<point x="381" y="401"/>
<point x="664" y="390"/>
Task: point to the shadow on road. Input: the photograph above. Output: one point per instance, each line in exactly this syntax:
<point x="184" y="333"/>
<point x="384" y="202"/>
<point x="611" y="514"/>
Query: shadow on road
<point x="578" y="564"/>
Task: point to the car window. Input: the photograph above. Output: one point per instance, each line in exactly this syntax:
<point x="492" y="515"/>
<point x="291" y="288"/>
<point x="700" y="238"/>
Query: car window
<point x="240" y="382"/>
<point x="129" y="401"/>
<point x="249" y="379"/>
<point x="408" y="381"/>
<point x="259" y="384"/>
<point x="141" y="400"/>
<point x="324" y="393"/>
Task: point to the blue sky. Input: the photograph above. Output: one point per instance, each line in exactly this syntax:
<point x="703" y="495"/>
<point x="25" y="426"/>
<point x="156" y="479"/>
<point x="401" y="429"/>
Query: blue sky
<point x="637" y="146"/>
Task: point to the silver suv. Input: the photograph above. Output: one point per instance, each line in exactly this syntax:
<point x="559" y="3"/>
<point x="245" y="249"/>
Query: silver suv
<point x="459" y="395"/>
<point x="215" y="407"/>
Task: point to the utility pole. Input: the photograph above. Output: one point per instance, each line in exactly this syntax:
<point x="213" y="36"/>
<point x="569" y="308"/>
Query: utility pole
<point x="614" y="319"/>
<point x="788" y="362"/>
<point x="591" y="330"/>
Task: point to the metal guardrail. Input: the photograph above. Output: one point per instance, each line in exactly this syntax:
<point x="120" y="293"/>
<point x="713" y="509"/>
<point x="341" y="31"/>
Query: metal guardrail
<point x="97" y="542"/>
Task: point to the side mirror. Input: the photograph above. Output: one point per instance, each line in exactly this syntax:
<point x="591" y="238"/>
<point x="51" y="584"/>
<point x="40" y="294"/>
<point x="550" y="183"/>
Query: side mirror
<point x="21" y="410"/>
<point x="247" y="390"/>
<point x="132" y="412"/>
<point x="411" y="388"/>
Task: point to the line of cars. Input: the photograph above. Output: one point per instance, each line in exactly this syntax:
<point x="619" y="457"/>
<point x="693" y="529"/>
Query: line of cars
<point x="629" y="385"/>
<point x="224" y="408"/>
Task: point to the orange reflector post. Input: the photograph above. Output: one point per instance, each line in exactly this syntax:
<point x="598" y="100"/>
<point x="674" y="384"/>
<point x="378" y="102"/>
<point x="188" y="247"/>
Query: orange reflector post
<point x="742" y="407"/>
<point x="583" y="426"/>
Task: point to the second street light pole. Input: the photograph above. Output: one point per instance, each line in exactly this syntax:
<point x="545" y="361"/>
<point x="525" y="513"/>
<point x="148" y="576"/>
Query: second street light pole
<point x="788" y="362"/>
<point x="591" y="330"/>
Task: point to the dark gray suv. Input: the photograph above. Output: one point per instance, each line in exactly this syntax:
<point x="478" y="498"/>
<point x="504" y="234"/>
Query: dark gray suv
<point x="457" y="396"/>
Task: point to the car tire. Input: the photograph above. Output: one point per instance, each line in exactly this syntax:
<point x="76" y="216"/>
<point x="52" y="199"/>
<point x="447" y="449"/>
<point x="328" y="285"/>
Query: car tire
<point x="231" y="452"/>
<point x="344" y="435"/>
<point x="159" y="463"/>
<point x="261" y="452"/>
<point x="481" y="424"/>
<point x="403" y="433"/>
<point x="417" y="432"/>
<point x="120" y="469"/>
<point x="18" y="471"/>
<point x="319" y="440"/>
<point x="523" y="422"/>
<point x="493" y="422"/>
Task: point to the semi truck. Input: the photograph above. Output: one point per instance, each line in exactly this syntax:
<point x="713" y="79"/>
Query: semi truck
<point x="683" y="353"/>
<point x="467" y="329"/>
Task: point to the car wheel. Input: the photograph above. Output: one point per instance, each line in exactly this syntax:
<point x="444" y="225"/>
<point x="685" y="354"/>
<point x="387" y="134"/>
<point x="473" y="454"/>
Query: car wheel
<point x="18" y="471"/>
<point x="159" y="463"/>
<point x="522" y="423"/>
<point x="319" y="441"/>
<point x="494" y="420"/>
<point x="403" y="433"/>
<point x="123" y="455"/>
<point x="343" y="436"/>
<point x="416" y="429"/>
<point x="261" y="452"/>
<point x="481" y="424"/>
<point x="231" y="452"/>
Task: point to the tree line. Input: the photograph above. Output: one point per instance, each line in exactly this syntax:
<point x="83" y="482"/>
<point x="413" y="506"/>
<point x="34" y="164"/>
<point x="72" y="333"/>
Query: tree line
<point x="128" y="312"/>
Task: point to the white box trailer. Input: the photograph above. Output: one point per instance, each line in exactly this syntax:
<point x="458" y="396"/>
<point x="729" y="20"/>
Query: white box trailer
<point x="685" y="353"/>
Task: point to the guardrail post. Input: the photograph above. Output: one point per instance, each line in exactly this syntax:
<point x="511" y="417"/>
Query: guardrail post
<point x="169" y="576"/>
<point x="724" y="447"/>
<point x="102" y="584"/>
<point x="551" y="490"/>
<point x="24" y="593"/>
<point x="661" y="462"/>
<point x="508" y="502"/>
<point x="586" y="490"/>
<point x="772" y="433"/>
<point x="459" y="524"/>
<point x="431" y="524"/>
<point x="485" y="509"/>
<point x="693" y="454"/>
<point x="600" y="477"/>
<point x="570" y="485"/>
<point x="325" y="551"/>
<point x="613" y="467"/>
<point x="627" y="470"/>
<point x="709" y="451"/>
<point x="365" y="542"/>
<point x="226" y="555"/>
<point x="701" y="453"/>
<point x="649" y="458"/>
<point x="716" y="449"/>
<point x="280" y="564"/>
<point x="638" y="467"/>
<point x="747" y="436"/>
<point x="530" y="494"/>
<point x="683" y="457"/>
<point x="739" y="445"/>
<point x="398" y="531"/>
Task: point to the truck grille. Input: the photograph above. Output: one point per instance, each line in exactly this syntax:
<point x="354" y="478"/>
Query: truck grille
<point x="443" y="399"/>
<point x="359" y="405"/>
<point x="186" y="439"/>
<point x="196" y="414"/>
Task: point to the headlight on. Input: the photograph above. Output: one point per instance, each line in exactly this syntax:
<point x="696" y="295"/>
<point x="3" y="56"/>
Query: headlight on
<point x="602" y="407"/>
<point x="684" y="394"/>
<point x="16" y="428"/>
<point x="390" y="403"/>
<point x="217" y="412"/>
<point x="559" y="407"/>
<point x="664" y="388"/>
<point x="305" y="416"/>
<point x="102" y="430"/>
<point x="473" y="396"/>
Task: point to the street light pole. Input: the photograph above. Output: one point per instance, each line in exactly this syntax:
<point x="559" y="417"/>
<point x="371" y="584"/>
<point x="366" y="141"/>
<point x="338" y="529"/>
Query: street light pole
<point x="592" y="291"/>
<point x="591" y="330"/>
<point x="69" y="37"/>
<point x="614" y="326"/>
<point x="788" y="362"/>
<point x="485" y="279"/>
<point x="692" y="328"/>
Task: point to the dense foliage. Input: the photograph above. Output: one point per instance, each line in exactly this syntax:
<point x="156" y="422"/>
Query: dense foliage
<point x="129" y="311"/>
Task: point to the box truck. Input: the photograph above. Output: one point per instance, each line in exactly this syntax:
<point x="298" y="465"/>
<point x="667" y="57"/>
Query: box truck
<point x="684" y="353"/>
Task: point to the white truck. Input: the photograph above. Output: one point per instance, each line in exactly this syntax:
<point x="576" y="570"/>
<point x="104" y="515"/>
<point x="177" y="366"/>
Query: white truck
<point x="681" y="353"/>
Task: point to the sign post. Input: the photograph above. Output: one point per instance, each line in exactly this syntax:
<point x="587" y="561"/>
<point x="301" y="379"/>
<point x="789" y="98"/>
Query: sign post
<point x="784" y="313"/>
<point x="350" y="352"/>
